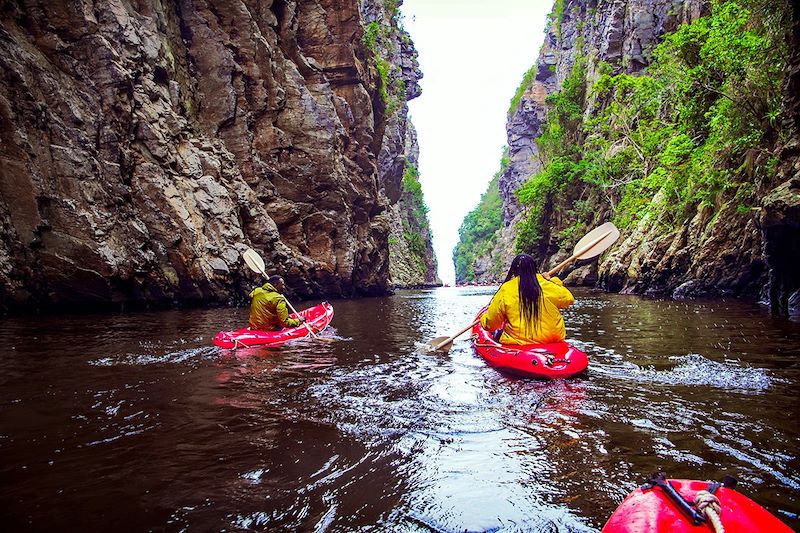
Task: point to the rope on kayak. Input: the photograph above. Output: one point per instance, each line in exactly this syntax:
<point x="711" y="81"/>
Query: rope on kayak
<point x="709" y="504"/>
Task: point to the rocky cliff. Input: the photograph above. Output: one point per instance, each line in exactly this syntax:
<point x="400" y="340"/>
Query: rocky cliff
<point x="779" y="218"/>
<point x="620" y="33"/>
<point x="412" y="258"/>
<point x="146" y="144"/>
<point x="587" y="92"/>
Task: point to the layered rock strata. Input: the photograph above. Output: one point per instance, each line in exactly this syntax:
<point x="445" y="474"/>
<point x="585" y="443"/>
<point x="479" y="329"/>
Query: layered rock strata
<point x="145" y="145"/>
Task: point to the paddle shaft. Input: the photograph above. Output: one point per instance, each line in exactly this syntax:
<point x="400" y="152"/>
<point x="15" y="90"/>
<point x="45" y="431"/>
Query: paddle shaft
<point x="291" y="307"/>
<point x="579" y="253"/>
<point x="308" y="327"/>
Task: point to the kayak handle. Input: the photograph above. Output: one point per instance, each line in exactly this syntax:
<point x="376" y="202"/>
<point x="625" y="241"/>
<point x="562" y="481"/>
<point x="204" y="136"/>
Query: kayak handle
<point x="660" y="480"/>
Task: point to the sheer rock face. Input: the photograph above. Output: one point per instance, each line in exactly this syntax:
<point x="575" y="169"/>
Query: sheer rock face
<point x="715" y="253"/>
<point x="145" y="145"/>
<point x="407" y="267"/>
<point x="622" y="33"/>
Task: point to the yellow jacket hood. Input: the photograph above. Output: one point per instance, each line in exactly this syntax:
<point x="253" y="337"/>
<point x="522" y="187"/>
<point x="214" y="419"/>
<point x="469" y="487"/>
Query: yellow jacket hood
<point x="268" y="309"/>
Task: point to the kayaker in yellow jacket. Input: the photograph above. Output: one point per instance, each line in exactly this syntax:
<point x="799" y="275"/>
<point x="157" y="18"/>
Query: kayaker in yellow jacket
<point x="527" y="306"/>
<point x="268" y="309"/>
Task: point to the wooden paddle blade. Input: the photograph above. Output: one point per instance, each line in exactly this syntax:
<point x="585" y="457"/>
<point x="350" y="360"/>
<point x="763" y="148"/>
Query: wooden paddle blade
<point x="598" y="240"/>
<point x="432" y="345"/>
<point x="254" y="261"/>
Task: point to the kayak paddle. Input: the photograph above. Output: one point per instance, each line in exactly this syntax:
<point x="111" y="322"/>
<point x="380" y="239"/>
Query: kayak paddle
<point x="592" y="244"/>
<point x="256" y="264"/>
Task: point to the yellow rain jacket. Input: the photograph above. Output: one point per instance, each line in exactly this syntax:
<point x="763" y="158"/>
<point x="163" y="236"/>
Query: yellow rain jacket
<point x="504" y="309"/>
<point x="268" y="310"/>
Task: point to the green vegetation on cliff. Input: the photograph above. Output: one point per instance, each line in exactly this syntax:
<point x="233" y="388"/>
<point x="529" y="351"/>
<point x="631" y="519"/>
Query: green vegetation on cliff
<point x="416" y="228"/>
<point x="560" y="153"/>
<point x="525" y="84"/>
<point x="477" y="234"/>
<point x="695" y="129"/>
<point x="379" y="39"/>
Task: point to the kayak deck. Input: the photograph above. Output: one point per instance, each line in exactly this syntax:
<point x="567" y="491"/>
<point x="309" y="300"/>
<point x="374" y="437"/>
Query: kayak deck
<point x="317" y="318"/>
<point x="651" y="510"/>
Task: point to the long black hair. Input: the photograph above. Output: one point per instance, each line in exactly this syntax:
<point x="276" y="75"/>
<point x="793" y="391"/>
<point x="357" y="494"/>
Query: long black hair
<point x="530" y="292"/>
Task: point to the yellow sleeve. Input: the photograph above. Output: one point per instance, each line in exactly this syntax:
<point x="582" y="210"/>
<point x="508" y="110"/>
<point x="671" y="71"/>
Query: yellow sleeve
<point x="495" y="316"/>
<point x="558" y="294"/>
<point x="283" y="314"/>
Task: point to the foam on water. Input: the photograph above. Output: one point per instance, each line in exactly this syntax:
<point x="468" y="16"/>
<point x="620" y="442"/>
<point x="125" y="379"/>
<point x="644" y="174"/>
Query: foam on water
<point x="692" y="369"/>
<point x="151" y="359"/>
<point x="696" y="370"/>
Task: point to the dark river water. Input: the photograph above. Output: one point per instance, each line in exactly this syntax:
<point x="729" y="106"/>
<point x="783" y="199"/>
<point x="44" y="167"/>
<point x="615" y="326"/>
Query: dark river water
<point x="135" y="422"/>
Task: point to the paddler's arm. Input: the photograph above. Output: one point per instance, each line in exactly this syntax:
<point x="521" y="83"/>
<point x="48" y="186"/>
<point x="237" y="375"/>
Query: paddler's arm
<point x="283" y="314"/>
<point x="556" y="292"/>
<point x="494" y="317"/>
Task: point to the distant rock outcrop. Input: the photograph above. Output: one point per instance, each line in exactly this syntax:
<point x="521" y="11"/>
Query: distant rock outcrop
<point x="145" y="145"/>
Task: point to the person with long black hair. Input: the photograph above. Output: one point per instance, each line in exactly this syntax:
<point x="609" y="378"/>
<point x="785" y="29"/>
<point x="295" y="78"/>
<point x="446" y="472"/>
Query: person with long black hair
<point x="527" y="305"/>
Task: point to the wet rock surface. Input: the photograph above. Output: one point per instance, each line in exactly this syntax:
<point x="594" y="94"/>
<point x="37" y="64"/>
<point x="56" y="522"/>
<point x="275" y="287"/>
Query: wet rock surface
<point x="146" y="145"/>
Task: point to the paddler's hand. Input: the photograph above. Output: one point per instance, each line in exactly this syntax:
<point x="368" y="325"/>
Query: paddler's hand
<point x="546" y="276"/>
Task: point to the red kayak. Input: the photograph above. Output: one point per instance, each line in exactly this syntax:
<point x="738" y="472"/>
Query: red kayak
<point x="546" y="361"/>
<point x="668" y="505"/>
<point x="317" y="318"/>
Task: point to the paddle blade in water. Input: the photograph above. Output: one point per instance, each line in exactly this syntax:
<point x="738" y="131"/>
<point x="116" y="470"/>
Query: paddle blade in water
<point x="432" y="345"/>
<point x="606" y="233"/>
<point x="253" y="260"/>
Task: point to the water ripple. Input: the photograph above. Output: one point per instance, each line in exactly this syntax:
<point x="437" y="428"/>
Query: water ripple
<point x="362" y="431"/>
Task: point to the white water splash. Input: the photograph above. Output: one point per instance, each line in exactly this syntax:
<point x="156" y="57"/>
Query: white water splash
<point x="151" y="359"/>
<point x="254" y="476"/>
<point x="690" y="370"/>
<point x="694" y="370"/>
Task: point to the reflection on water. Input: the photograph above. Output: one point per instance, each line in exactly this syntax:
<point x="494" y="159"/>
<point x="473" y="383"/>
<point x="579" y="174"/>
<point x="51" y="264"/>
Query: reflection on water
<point x="136" y="422"/>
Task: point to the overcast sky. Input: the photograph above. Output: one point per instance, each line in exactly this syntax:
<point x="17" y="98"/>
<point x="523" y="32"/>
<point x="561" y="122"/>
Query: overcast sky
<point x="473" y="54"/>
